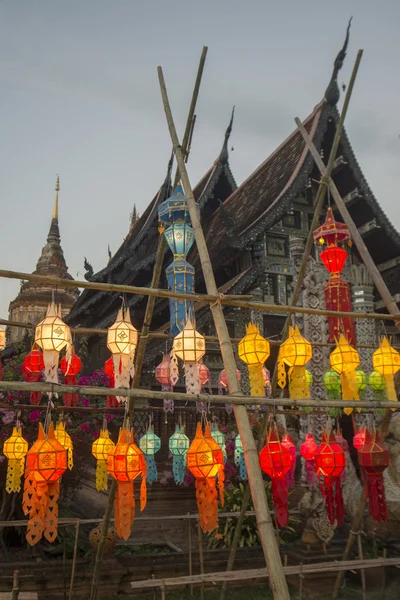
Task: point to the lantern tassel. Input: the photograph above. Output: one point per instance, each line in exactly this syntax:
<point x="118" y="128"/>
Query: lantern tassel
<point x="178" y="468"/>
<point x="124" y="509"/>
<point x="256" y="378"/>
<point x="290" y="475"/>
<point x="310" y="472"/>
<point x="143" y="490"/>
<point x="221" y="484"/>
<point x="241" y="463"/>
<point x="375" y="488"/>
<point x="281" y="374"/>
<point x="51" y="511"/>
<point x="33" y="377"/>
<point x="390" y="389"/>
<point x="339" y="504"/>
<point x="15" y="470"/>
<point x="280" y="497"/>
<point x="70" y="399"/>
<point x="206" y="496"/>
<point x="152" y="473"/>
<point x="50" y="358"/>
<point x="169" y="405"/>
<point x="101" y="476"/>
<point x="192" y="378"/>
<point x="349" y="389"/>
<point x="298" y="386"/>
<point x="123" y="370"/>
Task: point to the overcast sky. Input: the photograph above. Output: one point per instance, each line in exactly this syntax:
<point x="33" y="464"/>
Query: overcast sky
<point x="80" y="97"/>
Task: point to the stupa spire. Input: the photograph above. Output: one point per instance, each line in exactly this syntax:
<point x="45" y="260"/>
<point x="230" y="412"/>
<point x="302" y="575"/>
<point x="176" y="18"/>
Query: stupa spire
<point x="55" y="209"/>
<point x="54" y="232"/>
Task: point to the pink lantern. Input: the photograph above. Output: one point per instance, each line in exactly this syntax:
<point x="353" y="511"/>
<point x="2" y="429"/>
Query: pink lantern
<point x="163" y="376"/>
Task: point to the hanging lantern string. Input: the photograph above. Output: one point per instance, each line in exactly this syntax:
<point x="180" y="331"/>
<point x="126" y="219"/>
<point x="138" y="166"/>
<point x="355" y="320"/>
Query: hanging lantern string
<point x="104" y="426"/>
<point x="47" y="418"/>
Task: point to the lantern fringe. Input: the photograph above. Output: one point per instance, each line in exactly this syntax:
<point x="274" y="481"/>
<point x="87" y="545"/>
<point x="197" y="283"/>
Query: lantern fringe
<point x="192" y="378"/>
<point x="241" y="463"/>
<point x="374" y="487"/>
<point x="298" y="386"/>
<point x="101" y="476"/>
<point x="70" y="399"/>
<point x="124" y="509"/>
<point x="280" y="497"/>
<point x="281" y="374"/>
<point x="40" y="503"/>
<point x="256" y="379"/>
<point x="206" y="496"/>
<point x="349" y="389"/>
<point x="169" y="405"/>
<point x="331" y="490"/>
<point x="290" y="475"/>
<point x="124" y="370"/>
<point x="15" y="471"/>
<point x="32" y="377"/>
<point x="152" y="473"/>
<point x="50" y="358"/>
<point x="310" y="472"/>
<point x="178" y="468"/>
<point x="390" y="389"/>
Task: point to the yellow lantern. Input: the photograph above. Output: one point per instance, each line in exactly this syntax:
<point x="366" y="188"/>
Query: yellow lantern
<point x="52" y="335"/>
<point x="101" y="448"/>
<point x="345" y="360"/>
<point x="122" y="339"/>
<point x="295" y="352"/>
<point x="386" y="361"/>
<point x="254" y="350"/>
<point x="65" y="440"/>
<point x="15" y="449"/>
<point x="190" y="346"/>
<point x="2" y="339"/>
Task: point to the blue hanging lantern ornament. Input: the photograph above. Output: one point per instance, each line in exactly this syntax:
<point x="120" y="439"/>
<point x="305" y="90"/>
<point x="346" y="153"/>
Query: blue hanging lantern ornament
<point x="178" y="446"/>
<point x="149" y="444"/>
<point x="239" y="458"/>
<point x="180" y="278"/>
<point x="219" y="437"/>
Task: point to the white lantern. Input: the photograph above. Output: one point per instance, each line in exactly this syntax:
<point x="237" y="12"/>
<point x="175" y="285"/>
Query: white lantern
<point x="2" y="339"/>
<point x="122" y="339"/>
<point x="52" y="335"/>
<point x="190" y="346"/>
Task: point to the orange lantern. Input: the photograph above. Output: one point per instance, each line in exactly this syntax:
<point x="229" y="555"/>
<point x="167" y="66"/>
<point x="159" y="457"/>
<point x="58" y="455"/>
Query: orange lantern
<point x="205" y="460"/>
<point x="46" y="461"/>
<point x="125" y="463"/>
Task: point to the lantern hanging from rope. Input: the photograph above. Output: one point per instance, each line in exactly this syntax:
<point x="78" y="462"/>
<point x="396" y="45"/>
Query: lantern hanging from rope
<point x="32" y="368"/>
<point x="219" y="437"/>
<point x="111" y="401"/>
<point x="276" y="461"/>
<point x="178" y="446"/>
<point x="149" y="444"/>
<point x="308" y="450"/>
<point x="239" y="458"/>
<point x="332" y="384"/>
<point x="386" y="361"/>
<point x="223" y="386"/>
<point x="122" y="339"/>
<point x="344" y="360"/>
<point x="287" y="442"/>
<point x="190" y="346"/>
<point x="330" y="460"/>
<point x="254" y="350"/>
<point x="71" y="369"/>
<point x="101" y="448"/>
<point x="205" y="461"/>
<point x="125" y="463"/>
<point x="336" y="290"/>
<point x="373" y="459"/>
<point x="359" y="439"/>
<point x="15" y="449"/>
<point x="295" y="352"/>
<point x="65" y="440"/>
<point x="53" y="335"/>
<point x="46" y="461"/>
<point x="377" y="383"/>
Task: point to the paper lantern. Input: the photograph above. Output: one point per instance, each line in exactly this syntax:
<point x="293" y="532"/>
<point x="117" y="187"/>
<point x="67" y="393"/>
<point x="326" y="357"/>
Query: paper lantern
<point x="308" y="450"/>
<point x="180" y="238"/>
<point x="205" y="461"/>
<point x="361" y="381"/>
<point x="65" y="440"/>
<point x="205" y="382"/>
<point x="254" y="350"/>
<point x="46" y="461"/>
<point x="149" y="444"/>
<point x="2" y="338"/>
<point x="219" y="437"/>
<point x="276" y="461"/>
<point x="374" y="458"/>
<point x="190" y="346"/>
<point x="15" y="449"/>
<point x="330" y="460"/>
<point x="334" y="258"/>
<point x="125" y="463"/>
<point x="386" y="361"/>
<point x="122" y="339"/>
<point x="71" y="369"/>
<point x="332" y="384"/>
<point x="178" y="446"/>
<point x="52" y="335"/>
<point x="239" y="458"/>
<point x="287" y="443"/>
<point x="101" y="448"/>
<point x="167" y="374"/>
<point x="295" y="352"/>
<point x="175" y="209"/>
<point x="32" y="367"/>
<point x="345" y="360"/>
<point x="377" y="383"/>
<point x="180" y="278"/>
<point x="359" y="439"/>
<point x="331" y="231"/>
<point x="111" y="401"/>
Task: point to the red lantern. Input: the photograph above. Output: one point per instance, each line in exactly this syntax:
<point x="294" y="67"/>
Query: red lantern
<point x="374" y="458"/>
<point x="287" y="442"/>
<point x="330" y="460"/>
<point x="204" y="374"/>
<point x="276" y="461"/>
<point x="308" y="450"/>
<point x="46" y="461"/>
<point x="359" y="439"/>
<point x="125" y="463"/>
<point x="334" y="258"/>
<point x="71" y="370"/>
<point x="341" y="441"/>
<point x="111" y="401"/>
<point x="205" y="461"/>
<point x="31" y="368"/>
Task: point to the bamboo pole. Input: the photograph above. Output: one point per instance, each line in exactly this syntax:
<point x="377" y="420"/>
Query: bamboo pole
<point x="212" y="299"/>
<point x="201" y="558"/>
<point x="362" y="572"/>
<point x="190" y="553"/>
<point x="15" y="589"/>
<point x="266" y="532"/>
<point x="71" y="589"/>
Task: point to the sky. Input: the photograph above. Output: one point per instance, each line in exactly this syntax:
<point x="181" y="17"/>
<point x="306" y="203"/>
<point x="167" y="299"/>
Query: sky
<point x="80" y="97"/>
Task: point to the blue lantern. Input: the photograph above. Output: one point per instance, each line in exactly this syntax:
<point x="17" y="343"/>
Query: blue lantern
<point x="239" y="458"/>
<point x="219" y="437"/>
<point x="175" y="208"/>
<point x="180" y="276"/>
<point x="180" y="238"/>
<point x="149" y="444"/>
<point x="178" y="446"/>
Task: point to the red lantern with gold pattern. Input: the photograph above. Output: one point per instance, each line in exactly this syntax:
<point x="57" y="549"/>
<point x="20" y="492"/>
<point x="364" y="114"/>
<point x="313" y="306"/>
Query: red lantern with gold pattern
<point x="374" y="458"/>
<point x="125" y="463"/>
<point x="276" y="461"/>
<point x="31" y="368"/>
<point x="330" y="460"/>
<point x="71" y="369"/>
<point x="46" y="461"/>
<point x="359" y="439"/>
<point x="205" y="460"/>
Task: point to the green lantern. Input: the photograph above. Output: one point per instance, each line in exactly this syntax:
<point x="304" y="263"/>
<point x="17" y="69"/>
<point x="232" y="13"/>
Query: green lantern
<point x="149" y="444"/>
<point x="239" y="458"/>
<point x="219" y="437"/>
<point x="309" y="378"/>
<point x="361" y="381"/>
<point x="376" y="382"/>
<point x="178" y="446"/>
<point x="332" y="384"/>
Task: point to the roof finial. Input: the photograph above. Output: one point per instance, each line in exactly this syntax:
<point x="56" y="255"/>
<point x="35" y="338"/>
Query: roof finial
<point x="224" y="152"/>
<point x="55" y="209"/>
<point x="134" y="216"/>
<point x="332" y="93"/>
